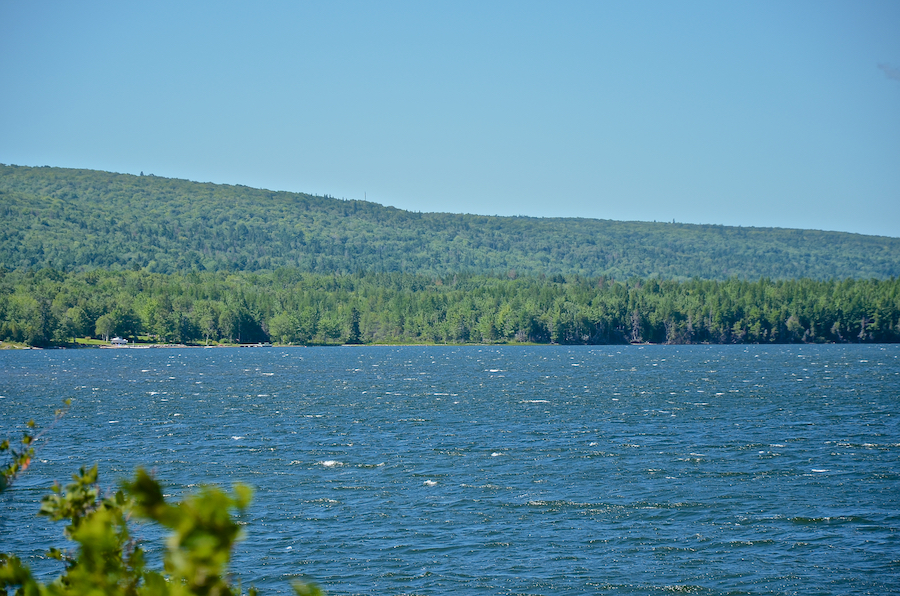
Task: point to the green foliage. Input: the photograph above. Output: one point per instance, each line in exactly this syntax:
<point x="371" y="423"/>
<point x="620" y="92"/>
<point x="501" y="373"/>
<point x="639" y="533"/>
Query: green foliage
<point x="108" y="562"/>
<point x="21" y="455"/>
<point x="291" y="307"/>
<point x="78" y="220"/>
<point x="97" y="254"/>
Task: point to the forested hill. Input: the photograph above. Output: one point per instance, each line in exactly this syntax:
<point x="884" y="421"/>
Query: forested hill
<point x="75" y="220"/>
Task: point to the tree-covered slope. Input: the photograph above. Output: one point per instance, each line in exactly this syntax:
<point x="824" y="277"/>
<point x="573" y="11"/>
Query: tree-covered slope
<point x="82" y="219"/>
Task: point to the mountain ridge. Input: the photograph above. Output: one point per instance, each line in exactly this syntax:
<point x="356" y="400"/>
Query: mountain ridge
<point x="77" y="219"/>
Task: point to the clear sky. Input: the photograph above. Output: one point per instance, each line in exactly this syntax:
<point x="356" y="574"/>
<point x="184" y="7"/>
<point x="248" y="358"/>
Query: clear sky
<point x="751" y="113"/>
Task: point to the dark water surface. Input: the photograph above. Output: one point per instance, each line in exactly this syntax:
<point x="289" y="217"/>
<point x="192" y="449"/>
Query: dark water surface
<point x="497" y="470"/>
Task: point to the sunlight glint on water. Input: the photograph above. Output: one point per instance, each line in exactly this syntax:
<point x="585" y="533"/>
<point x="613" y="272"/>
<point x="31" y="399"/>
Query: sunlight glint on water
<point x="497" y="470"/>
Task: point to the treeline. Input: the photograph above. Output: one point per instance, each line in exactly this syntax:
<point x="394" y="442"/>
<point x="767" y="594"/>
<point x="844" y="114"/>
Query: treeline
<point x="77" y="220"/>
<point x="47" y="307"/>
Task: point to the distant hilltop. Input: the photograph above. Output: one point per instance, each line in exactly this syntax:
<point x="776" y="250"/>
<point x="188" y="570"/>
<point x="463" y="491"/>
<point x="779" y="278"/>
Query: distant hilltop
<point x="76" y="220"/>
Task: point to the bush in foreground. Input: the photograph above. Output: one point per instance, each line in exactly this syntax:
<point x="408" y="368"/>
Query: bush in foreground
<point x="107" y="560"/>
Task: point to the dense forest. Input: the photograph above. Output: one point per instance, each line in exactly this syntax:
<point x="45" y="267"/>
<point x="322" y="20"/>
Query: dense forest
<point x="289" y="306"/>
<point x="78" y="220"/>
<point x="94" y="254"/>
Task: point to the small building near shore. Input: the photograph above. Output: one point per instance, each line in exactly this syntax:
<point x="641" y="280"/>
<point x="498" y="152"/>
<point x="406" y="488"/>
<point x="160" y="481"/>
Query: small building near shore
<point x="118" y="341"/>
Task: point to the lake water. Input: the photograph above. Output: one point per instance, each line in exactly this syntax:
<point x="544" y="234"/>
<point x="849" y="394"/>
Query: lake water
<point x="496" y="470"/>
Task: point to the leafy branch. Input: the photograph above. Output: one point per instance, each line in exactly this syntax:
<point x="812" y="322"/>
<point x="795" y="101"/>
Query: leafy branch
<point x="107" y="560"/>
<point x="22" y="454"/>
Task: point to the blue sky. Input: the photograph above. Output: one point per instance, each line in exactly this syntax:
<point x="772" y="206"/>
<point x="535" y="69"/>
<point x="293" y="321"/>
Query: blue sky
<point x="755" y="113"/>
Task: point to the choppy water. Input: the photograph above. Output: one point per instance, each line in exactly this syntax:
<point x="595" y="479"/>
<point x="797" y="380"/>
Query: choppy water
<point x="507" y="470"/>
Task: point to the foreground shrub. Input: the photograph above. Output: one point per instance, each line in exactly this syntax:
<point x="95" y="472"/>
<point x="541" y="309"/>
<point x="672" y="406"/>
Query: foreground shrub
<point x="108" y="561"/>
